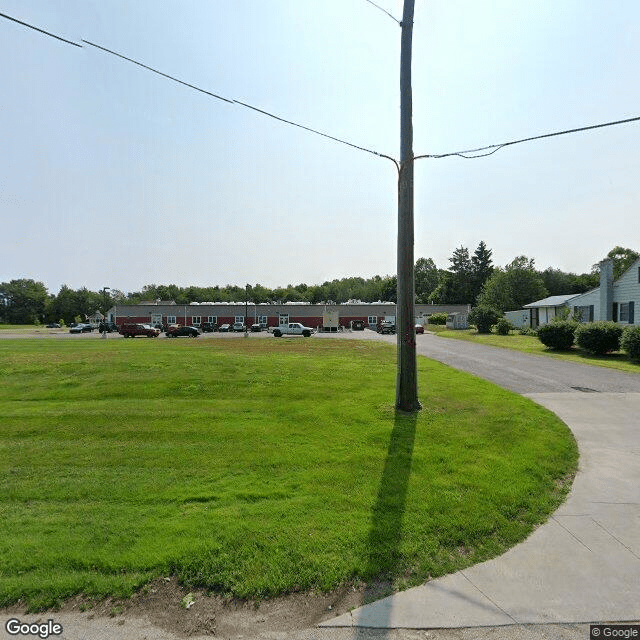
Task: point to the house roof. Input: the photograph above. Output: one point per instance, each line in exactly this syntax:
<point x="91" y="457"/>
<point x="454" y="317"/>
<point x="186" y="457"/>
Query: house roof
<point x="551" y="301"/>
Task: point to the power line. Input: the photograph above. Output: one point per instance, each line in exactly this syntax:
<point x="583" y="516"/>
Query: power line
<point x="209" y="93"/>
<point x="242" y="104"/>
<point x="492" y="148"/>
<point x="47" y="33"/>
<point x="478" y="153"/>
<point x="384" y="11"/>
<point x="144" y="66"/>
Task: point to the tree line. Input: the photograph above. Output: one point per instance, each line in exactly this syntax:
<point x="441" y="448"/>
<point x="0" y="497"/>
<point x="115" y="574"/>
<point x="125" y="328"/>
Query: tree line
<point x="471" y="278"/>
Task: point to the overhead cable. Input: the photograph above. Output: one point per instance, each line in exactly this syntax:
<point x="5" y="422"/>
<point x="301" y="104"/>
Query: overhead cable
<point x="492" y="148"/>
<point x="480" y="152"/>
<point x="384" y="11"/>
<point x="242" y="104"/>
<point x="144" y="66"/>
<point x="47" y="33"/>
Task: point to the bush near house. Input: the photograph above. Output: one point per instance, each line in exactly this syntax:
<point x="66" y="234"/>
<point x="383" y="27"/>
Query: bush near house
<point x="630" y="342"/>
<point x="438" y="318"/>
<point x="503" y="327"/>
<point x="557" y="335"/>
<point x="484" y="318"/>
<point x="599" y="337"/>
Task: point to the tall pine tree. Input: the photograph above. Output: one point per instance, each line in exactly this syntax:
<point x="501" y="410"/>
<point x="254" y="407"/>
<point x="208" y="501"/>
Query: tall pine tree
<point x="481" y="269"/>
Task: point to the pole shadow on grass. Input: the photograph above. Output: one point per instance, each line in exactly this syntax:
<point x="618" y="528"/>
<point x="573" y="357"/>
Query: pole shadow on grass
<point x="385" y="536"/>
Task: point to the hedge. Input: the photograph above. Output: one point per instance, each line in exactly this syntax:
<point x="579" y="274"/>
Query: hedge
<point x="599" y="337"/>
<point x="557" y="335"/>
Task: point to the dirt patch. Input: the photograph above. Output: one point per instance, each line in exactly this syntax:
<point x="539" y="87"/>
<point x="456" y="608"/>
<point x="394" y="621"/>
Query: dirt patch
<point x="163" y="603"/>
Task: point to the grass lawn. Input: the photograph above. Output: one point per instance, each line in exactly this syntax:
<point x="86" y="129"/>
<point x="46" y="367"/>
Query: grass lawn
<point x="530" y="344"/>
<point x="256" y="467"/>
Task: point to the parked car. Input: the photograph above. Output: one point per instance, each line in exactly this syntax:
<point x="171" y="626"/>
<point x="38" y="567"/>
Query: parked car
<point x="224" y="327"/>
<point x="53" y="325"/>
<point x="386" y="327"/>
<point x="176" y="331"/>
<point x="238" y="326"/>
<point x="131" y="330"/>
<point x="209" y="326"/>
<point x="256" y="328"/>
<point x="108" y="327"/>
<point x="293" y="329"/>
<point x="419" y="328"/>
<point x="81" y="328"/>
<point x="357" y="325"/>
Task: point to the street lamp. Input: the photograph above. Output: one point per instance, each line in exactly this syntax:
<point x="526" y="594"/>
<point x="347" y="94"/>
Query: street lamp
<point x="104" y="319"/>
<point x="246" y="303"/>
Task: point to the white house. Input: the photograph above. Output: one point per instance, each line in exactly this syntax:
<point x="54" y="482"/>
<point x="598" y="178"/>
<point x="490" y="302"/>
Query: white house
<point x="610" y="301"/>
<point x="545" y="310"/>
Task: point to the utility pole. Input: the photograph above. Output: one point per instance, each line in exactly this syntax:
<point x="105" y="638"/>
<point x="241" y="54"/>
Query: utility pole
<point x="407" y="374"/>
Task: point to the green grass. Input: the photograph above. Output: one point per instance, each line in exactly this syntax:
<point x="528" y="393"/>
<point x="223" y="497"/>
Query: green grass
<point x="256" y="467"/>
<point x="530" y="344"/>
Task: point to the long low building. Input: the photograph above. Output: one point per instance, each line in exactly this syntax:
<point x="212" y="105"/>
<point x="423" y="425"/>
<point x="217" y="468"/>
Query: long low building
<point x="324" y="317"/>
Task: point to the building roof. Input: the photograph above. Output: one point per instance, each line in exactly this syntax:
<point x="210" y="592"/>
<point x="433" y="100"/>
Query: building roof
<point x="552" y="301"/>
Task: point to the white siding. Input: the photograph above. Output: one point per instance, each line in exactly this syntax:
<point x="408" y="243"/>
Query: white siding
<point x="627" y="289"/>
<point x="586" y="300"/>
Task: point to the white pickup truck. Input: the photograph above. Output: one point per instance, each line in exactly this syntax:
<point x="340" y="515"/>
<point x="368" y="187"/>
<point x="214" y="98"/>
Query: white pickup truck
<point x="293" y="329"/>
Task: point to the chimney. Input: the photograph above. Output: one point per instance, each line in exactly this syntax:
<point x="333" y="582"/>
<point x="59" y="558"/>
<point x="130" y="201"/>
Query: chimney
<point x="606" y="289"/>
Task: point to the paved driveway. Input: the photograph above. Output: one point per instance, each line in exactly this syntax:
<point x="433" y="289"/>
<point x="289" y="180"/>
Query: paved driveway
<point x="581" y="566"/>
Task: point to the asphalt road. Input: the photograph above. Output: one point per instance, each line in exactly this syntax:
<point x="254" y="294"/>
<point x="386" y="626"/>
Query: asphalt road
<point x="513" y="370"/>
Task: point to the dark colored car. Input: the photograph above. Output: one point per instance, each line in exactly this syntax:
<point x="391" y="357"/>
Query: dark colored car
<point x="108" y="327"/>
<point x="386" y="327"/>
<point x="81" y="328"/>
<point x="357" y="325"/>
<point x="256" y="327"/>
<point x="238" y="326"/>
<point x="177" y="332"/>
<point x="419" y="328"/>
<point x="225" y="327"/>
<point x="132" y="330"/>
<point x="209" y="326"/>
<point x="53" y="325"/>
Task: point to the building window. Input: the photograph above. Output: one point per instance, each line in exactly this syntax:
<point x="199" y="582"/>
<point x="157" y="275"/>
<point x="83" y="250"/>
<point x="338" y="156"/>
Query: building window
<point x="171" y="319"/>
<point x="263" y="320"/>
<point x="372" y="320"/>
<point x="196" y="320"/>
<point x="239" y="319"/>
<point x="623" y="310"/>
<point x="212" y="319"/>
<point x="584" y="314"/>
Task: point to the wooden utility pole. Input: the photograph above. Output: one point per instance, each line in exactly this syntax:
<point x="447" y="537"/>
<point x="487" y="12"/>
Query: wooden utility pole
<point x="407" y="374"/>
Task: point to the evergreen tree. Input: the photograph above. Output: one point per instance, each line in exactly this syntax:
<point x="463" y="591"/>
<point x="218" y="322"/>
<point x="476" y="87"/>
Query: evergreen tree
<point x="481" y="269"/>
<point x="460" y="282"/>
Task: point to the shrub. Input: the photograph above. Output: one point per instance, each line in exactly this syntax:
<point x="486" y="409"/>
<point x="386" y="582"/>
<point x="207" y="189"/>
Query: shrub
<point x="438" y="318"/>
<point x="630" y="342"/>
<point x="557" y="335"/>
<point x="503" y="326"/>
<point x="599" y="337"/>
<point x="484" y="318"/>
<point x="527" y="331"/>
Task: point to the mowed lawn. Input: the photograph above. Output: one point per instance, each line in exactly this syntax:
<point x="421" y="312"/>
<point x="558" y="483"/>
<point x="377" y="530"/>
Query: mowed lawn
<point x="256" y="467"/>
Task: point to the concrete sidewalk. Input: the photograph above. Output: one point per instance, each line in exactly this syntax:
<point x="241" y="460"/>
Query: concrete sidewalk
<point x="581" y="566"/>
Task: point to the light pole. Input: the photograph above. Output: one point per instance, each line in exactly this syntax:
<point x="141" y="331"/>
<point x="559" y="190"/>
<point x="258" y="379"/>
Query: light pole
<point x="104" y="319"/>
<point x="246" y="305"/>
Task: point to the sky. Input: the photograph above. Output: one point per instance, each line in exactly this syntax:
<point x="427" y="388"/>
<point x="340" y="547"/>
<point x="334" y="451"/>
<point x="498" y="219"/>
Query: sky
<point x="111" y="175"/>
